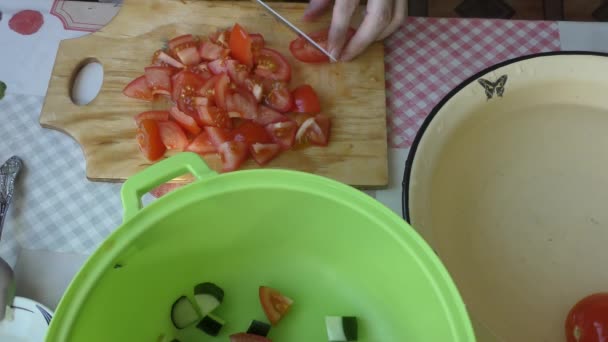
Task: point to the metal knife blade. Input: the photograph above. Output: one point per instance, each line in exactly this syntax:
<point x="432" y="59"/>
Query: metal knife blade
<point x="294" y="28"/>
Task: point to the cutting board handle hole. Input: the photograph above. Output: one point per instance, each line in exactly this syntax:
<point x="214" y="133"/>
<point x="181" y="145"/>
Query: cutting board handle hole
<point x="86" y="81"/>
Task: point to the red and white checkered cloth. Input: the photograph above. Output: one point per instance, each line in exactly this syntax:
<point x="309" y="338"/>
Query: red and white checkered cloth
<point x="428" y="57"/>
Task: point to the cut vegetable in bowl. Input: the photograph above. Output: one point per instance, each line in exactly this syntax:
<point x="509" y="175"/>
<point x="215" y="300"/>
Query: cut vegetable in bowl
<point x="341" y="328"/>
<point x="274" y="303"/>
<point x="208" y="296"/>
<point x="183" y="313"/>
<point x="244" y="337"/>
<point x="211" y="325"/>
<point x="258" y="328"/>
<point x="221" y="81"/>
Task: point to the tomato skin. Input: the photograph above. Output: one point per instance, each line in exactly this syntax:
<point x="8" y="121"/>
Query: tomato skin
<point x="183" y="39"/>
<point x="221" y="90"/>
<point x="275" y="304"/>
<point x="186" y="86"/>
<point x="172" y="135"/>
<point x="149" y="140"/>
<point x="201" y="144"/>
<point x="272" y="65"/>
<point x="279" y="98"/>
<point x="138" y="89"/>
<point x="244" y="337"/>
<point x="305" y="100"/>
<point x="185" y="121"/>
<point x="251" y="133"/>
<point x="157" y="115"/>
<point x="303" y="51"/>
<point x="240" y="45"/>
<point x="587" y="320"/>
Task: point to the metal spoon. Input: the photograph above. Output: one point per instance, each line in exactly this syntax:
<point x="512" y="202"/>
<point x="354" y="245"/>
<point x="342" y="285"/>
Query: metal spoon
<point x="8" y="174"/>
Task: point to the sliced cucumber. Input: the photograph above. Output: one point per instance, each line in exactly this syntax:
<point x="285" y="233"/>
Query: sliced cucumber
<point x="211" y="325"/>
<point x="208" y="296"/>
<point x="341" y="328"/>
<point x="258" y="328"/>
<point x="183" y="313"/>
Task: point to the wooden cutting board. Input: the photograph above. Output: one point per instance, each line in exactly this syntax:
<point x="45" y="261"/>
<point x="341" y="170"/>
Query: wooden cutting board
<point x="352" y="94"/>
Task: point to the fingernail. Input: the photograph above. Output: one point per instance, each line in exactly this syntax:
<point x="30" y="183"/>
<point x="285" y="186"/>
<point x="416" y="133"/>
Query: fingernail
<point x="335" y="53"/>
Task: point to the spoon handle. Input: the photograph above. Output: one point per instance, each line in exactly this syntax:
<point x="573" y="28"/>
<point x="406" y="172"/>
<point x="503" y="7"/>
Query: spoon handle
<point x="8" y="174"/>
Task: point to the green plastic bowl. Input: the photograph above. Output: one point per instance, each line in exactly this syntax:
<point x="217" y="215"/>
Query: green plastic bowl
<point x="330" y="247"/>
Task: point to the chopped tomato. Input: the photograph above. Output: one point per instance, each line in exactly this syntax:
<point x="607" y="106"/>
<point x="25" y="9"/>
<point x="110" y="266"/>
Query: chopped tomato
<point x="255" y="85"/>
<point x="244" y="337"/>
<point x="218" y="66"/>
<point x="218" y="136"/>
<point x="280" y="98"/>
<point x="202" y="70"/>
<point x="138" y="89"/>
<point x="210" y="51"/>
<point x="186" y="86"/>
<point x="172" y="135"/>
<point x="250" y="133"/>
<point x="233" y="154"/>
<point x="275" y="304"/>
<point x="264" y="153"/>
<point x="214" y="116"/>
<point x="149" y="140"/>
<point x="208" y="89"/>
<point x="267" y="115"/>
<point x="220" y="91"/>
<point x="257" y="43"/>
<point x="188" y="53"/>
<point x="201" y="144"/>
<point x="272" y="65"/>
<point x="186" y="38"/>
<point x="299" y="118"/>
<point x="221" y="38"/>
<point x="239" y="73"/>
<point x="305" y="99"/>
<point x="158" y="79"/>
<point x="240" y="103"/>
<point x="240" y="45"/>
<point x="185" y="121"/>
<point x="587" y="320"/>
<point x="161" y="58"/>
<point x="157" y="115"/>
<point x="305" y="52"/>
<point x="319" y="135"/>
<point x="283" y="133"/>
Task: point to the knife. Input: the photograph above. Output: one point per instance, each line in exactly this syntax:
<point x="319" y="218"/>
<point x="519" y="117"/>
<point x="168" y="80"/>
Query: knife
<point x="294" y="28"/>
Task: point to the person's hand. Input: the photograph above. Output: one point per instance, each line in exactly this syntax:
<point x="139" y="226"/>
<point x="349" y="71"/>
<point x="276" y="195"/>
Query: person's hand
<point x="382" y="18"/>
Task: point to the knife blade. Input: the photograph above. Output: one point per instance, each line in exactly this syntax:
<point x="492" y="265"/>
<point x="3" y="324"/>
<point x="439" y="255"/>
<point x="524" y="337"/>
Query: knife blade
<point x="294" y="28"/>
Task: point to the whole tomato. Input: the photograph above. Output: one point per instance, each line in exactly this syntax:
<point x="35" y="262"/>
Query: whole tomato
<point x="587" y="321"/>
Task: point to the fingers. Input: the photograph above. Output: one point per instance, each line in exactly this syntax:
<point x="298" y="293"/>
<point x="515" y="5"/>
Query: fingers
<point x="379" y="15"/>
<point x="398" y="18"/>
<point x="340" y="23"/>
<point x="315" y="8"/>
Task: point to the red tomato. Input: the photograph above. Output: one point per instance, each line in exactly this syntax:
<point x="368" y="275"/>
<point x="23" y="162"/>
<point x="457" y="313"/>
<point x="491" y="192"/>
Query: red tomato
<point x="157" y="115"/>
<point x="185" y="121"/>
<point x="239" y="73"/>
<point x="201" y="144"/>
<point x="221" y="90"/>
<point x="149" y="140"/>
<point x="305" y="52"/>
<point x="210" y="51"/>
<point x="208" y="89"/>
<point x="240" y="45"/>
<point x="305" y="99"/>
<point x="275" y="304"/>
<point x="221" y="38"/>
<point x="186" y="38"/>
<point x="159" y="79"/>
<point x="172" y="135"/>
<point x="214" y="116"/>
<point x="186" y="86"/>
<point x="272" y="65"/>
<point x="299" y="118"/>
<point x="587" y="321"/>
<point x="279" y="98"/>
<point x="257" y="43"/>
<point x="218" y="136"/>
<point x="233" y="154"/>
<point x="267" y="115"/>
<point x="218" y="66"/>
<point x="244" y="337"/>
<point x="314" y="130"/>
<point x="250" y="133"/>
<point x="240" y="103"/>
<point x="283" y="133"/>
<point x="138" y="89"/>
<point x="264" y="153"/>
<point x="161" y="58"/>
<point x="202" y="70"/>
<point x="187" y="53"/>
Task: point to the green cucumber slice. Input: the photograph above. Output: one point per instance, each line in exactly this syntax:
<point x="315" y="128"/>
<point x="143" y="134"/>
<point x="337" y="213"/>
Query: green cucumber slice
<point x="183" y="313"/>
<point x="211" y="325"/>
<point x="208" y="296"/>
<point x="341" y="328"/>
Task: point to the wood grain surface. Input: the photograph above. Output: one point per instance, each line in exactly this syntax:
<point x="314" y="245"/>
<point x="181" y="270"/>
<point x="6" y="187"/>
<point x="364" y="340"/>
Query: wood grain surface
<point x="352" y="94"/>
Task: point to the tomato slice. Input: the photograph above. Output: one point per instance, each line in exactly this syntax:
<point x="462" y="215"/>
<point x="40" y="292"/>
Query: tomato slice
<point x="264" y="153"/>
<point x="221" y="38"/>
<point x="214" y="116"/>
<point x="283" y="133"/>
<point x="201" y="144"/>
<point x="279" y="98"/>
<point x="239" y="73"/>
<point x="587" y="320"/>
<point x="186" y="38"/>
<point x="275" y="304"/>
<point x="202" y="70"/>
<point x="186" y="86"/>
<point x="138" y="89"/>
<point x="172" y="135"/>
<point x="305" y="99"/>
<point x="319" y="134"/>
<point x="272" y="65"/>
<point x="218" y="135"/>
<point x="241" y="103"/>
<point x="257" y="43"/>
<point x="158" y="79"/>
<point x="250" y="133"/>
<point x="267" y="115"/>
<point x="244" y="337"/>
<point x="305" y="52"/>
<point x="157" y="115"/>
<point x="185" y="121"/>
<point x="161" y="58"/>
<point x="221" y="90"/>
<point x="210" y="51"/>
<point x="218" y="66"/>
<point x="187" y="53"/>
<point x="208" y="89"/>
<point x="232" y="154"/>
<point x="299" y="118"/>
<point x="240" y="45"/>
<point x="149" y="140"/>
